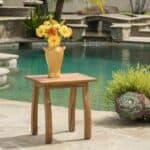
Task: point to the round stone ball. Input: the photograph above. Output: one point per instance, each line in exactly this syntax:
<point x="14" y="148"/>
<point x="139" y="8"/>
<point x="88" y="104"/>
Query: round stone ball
<point x="133" y="106"/>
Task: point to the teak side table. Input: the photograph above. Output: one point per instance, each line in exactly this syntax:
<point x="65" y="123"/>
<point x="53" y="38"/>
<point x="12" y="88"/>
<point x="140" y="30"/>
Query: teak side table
<point x="70" y="80"/>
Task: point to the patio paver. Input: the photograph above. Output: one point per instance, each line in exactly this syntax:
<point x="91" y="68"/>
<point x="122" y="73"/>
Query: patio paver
<point x="109" y="132"/>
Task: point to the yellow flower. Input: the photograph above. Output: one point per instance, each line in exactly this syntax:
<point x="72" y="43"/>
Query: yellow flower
<point x="52" y="31"/>
<point x="46" y="23"/>
<point x="65" y="31"/>
<point x="54" y="41"/>
<point x="53" y="22"/>
<point x="40" y="31"/>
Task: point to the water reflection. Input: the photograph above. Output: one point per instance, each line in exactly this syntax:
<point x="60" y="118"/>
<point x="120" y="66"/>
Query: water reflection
<point x="125" y="56"/>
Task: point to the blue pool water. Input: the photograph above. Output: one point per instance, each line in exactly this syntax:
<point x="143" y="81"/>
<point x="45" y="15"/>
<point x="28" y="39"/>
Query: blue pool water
<point x="97" y="61"/>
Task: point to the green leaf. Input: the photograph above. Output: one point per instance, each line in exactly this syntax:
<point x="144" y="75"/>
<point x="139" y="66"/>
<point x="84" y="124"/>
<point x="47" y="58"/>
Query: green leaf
<point x="36" y="18"/>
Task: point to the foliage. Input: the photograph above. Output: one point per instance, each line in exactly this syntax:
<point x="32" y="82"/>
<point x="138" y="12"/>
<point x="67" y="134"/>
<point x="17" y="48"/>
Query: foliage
<point x="134" y="79"/>
<point x="36" y="19"/>
<point x="53" y="32"/>
<point x="130" y="14"/>
<point x="147" y="13"/>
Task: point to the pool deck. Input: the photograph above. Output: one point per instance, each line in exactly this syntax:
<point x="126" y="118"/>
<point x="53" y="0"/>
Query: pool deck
<point x="109" y="132"/>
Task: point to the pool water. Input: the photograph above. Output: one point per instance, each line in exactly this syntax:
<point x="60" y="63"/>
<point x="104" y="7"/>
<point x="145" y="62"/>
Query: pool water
<point x="97" y="61"/>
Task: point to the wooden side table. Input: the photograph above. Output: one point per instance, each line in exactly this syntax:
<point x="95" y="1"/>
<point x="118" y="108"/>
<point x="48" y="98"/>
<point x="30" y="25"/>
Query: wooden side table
<point x="72" y="81"/>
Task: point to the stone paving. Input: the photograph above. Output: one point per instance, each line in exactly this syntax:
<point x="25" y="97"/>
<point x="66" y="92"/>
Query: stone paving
<point x="109" y="132"/>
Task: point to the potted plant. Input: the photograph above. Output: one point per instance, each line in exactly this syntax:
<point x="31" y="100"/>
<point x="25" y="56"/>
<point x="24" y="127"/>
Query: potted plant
<point x="130" y="91"/>
<point x="53" y="32"/>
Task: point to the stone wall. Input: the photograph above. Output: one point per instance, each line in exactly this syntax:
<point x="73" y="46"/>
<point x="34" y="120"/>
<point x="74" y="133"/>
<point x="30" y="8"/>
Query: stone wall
<point x="74" y="5"/>
<point x="14" y="3"/>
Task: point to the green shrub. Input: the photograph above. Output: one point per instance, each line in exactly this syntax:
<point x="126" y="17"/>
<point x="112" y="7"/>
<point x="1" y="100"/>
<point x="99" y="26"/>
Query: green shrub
<point x="36" y="18"/>
<point x="133" y="79"/>
<point x="147" y="13"/>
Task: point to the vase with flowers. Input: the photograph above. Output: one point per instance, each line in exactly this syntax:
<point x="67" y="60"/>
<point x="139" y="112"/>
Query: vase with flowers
<point x="54" y="32"/>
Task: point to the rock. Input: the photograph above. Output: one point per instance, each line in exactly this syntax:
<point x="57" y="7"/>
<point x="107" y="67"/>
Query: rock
<point x="1" y="2"/>
<point x="133" y="106"/>
<point x="8" y="60"/>
<point x="33" y="2"/>
<point x="3" y="77"/>
<point x="94" y="10"/>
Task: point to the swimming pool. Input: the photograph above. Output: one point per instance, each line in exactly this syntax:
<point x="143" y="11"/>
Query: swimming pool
<point x="97" y="61"/>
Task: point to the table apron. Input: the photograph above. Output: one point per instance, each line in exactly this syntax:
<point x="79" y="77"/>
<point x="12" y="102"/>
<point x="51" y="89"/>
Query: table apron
<point x="62" y="85"/>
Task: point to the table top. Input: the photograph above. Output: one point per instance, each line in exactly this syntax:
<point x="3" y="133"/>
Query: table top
<point x="68" y="78"/>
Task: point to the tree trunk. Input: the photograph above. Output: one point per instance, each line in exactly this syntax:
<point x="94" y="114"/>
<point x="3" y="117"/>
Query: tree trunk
<point x="44" y="7"/>
<point x="58" y="9"/>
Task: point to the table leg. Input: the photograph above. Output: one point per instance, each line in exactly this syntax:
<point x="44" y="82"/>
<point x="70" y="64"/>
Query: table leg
<point x="87" y="112"/>
<point x="34" y="110"/>
<point x="71" y="109"/>
<point x="48" y="115"/>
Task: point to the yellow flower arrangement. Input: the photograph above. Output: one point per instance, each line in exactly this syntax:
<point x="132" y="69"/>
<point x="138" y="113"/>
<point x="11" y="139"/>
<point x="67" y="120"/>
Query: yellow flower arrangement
<point x="53" y="32"/>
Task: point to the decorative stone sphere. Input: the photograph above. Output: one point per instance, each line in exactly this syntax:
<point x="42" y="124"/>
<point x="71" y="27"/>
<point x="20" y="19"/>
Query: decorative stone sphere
<point x="133" y="106"/>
